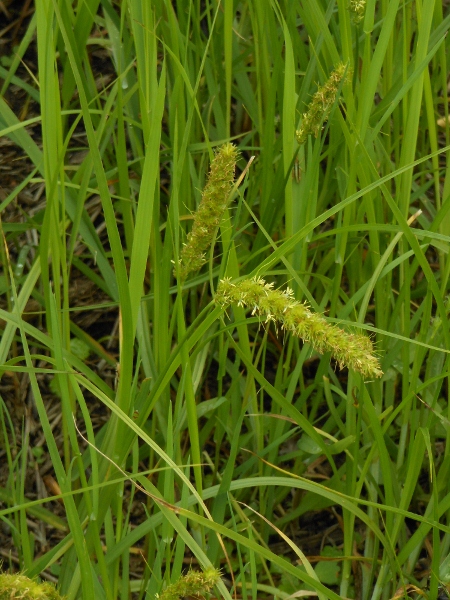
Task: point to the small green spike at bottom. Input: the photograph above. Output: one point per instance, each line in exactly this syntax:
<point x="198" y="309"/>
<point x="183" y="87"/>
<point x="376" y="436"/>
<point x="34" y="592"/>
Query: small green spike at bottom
<point x="194" y="583"/>
<point x="18" y="586"/>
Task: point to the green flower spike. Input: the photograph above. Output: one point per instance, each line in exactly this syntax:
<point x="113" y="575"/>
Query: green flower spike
<point x="213" y="204"/>
<point x="352" y="350"/>
<point x="194" y="583"/>
<point x="358" y="10"/>
<point x="19" y="586"/>
<point x="320" y="106"/>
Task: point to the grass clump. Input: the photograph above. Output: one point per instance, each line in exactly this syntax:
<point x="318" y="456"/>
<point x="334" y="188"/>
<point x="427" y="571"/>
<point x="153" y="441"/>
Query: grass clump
<point x="111" y="372"/>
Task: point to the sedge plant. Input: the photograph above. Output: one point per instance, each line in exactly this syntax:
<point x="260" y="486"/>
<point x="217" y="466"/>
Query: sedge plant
<point x="242" y="439"/>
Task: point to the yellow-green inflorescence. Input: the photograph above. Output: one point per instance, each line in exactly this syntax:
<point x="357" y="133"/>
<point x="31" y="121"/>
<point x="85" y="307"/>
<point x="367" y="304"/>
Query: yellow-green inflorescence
<point x="320" y="106"/>
<point x="358" y="10"/>
<point x="19" y="586"/>
<point x="194" y="583"/>
<point x="349" y="349"/>
<point x="215" y="198"/>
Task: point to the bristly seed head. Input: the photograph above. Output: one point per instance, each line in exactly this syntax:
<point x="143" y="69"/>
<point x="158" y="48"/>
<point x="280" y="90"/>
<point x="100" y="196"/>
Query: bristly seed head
<point x="349" y="349"/>
<point x="358" y="10"/>
<point x="320" y="105"/>
<point x="213" y="204"/>
<point x="194" y="583"/>
<point x="20" y="586"/>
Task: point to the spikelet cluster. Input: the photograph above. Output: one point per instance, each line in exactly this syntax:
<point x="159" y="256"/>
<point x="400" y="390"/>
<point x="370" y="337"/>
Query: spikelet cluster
<point x="214" y="201"/>
<point x="351" y="350"/>
<point x="19" y="586"/>
<point x="194" y="583"/>
<point x="320" y="106"/>
<point x="357" y="10"/>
